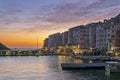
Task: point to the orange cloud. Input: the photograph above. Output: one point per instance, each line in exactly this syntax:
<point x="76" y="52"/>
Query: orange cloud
<point x="21" y="40"/>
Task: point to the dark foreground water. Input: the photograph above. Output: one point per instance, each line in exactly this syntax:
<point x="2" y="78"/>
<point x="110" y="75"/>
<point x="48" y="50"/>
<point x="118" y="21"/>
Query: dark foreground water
<point x="46" y="68"/>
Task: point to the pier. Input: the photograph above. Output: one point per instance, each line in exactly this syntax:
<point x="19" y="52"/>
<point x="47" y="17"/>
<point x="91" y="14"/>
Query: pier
<point x="71" y="66"/>
<point x="93" y="57"/>
<point x="29" y="53"/>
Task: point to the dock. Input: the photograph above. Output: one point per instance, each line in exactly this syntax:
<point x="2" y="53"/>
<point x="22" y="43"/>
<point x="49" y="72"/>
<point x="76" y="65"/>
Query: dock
<point x="116" y="59"/>
<point x="92" y="57"/>
<point x="71" y="66"/>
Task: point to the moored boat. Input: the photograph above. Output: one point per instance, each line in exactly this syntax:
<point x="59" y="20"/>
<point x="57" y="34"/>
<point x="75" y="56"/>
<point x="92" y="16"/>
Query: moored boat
<point x="112" y="66"/>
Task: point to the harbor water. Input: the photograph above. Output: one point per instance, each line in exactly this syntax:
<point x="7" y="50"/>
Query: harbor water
<point x="46" y="68"/>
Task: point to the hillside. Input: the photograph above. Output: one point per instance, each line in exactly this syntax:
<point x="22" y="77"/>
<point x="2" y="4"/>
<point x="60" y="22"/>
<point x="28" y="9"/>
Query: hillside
<point x="3" y="47"/>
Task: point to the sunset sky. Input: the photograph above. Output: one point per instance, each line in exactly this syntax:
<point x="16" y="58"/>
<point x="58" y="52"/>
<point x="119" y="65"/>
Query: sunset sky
<point x="21" y="21"/>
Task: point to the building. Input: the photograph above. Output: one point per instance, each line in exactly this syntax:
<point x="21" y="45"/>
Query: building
<point x="92" y="35"/>
<point x="102" y="35"/>
<point x="99" y="36"/>
<point x="70" y="37"/>
<point x="83" y="37"/>
<point x="64" y="38"/>
<point x="45" y="43"/>
<point x="76" y="36"/>
<point x="117" y="36"/>
<point x="105" y="36"/>
<point x="54" y="40"/>
<point x="86" y="38"/>
<point x="111" y="34"/>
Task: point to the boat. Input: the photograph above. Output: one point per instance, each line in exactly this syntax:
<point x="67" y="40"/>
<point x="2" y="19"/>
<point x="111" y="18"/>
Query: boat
<point x="112" y="66"/>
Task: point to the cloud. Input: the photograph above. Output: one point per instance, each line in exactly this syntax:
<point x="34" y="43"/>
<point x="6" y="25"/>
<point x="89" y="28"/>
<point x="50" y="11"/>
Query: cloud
<point x="56" y="16"/>
<point x="2" y="28"/>
<point x="11" y="16"/>
<point x="102" y="4"/>
<point x="66" y="13"/>
<point x="40" y="28"/>
<point x="76" y="12"/>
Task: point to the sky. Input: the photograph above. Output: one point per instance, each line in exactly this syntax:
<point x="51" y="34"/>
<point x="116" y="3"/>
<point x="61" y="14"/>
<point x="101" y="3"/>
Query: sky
<point x="22" y="21"/>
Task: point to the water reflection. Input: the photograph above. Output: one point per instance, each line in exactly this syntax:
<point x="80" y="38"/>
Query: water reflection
<point x="46" y="68"/>
<point x="69" y="59"/>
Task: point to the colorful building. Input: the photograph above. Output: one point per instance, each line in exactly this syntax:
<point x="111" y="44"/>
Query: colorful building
<point x="64" y="38"/>
<point x="54" y="40"/>
<point x="92" y="35"/>
<point x="105" y="36"/>
<point x="102" y="35"/>
<point x="45" y="43"/>
<point x="77" y="36"/>
<point x="111" y="34"/>
<point x="117" y="36"/>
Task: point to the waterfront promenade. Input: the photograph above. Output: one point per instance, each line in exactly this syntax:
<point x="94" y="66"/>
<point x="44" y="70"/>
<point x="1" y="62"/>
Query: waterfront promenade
<point x="93" y="57"/>
<point x="29" y="53"/>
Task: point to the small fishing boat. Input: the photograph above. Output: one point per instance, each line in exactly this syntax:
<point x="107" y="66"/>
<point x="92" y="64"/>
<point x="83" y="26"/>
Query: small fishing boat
<point x="112" y="66"/>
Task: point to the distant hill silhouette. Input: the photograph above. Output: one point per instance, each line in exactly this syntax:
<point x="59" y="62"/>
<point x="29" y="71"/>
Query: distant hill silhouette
<point x="3" y="47"/>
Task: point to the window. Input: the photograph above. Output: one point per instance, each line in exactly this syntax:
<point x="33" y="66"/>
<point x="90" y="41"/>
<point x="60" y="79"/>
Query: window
<point x="112" y="36"/>
<point x="118" y="32"/>
<point x="110" y="46"/>
<point x="113" y="31"/>
<point x="110" y="41"/>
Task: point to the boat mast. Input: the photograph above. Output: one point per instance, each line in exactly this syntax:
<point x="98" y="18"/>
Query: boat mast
<point x="37" y="42"/>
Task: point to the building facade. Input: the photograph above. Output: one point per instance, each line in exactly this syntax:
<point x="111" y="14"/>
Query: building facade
<point x="101" y="35"/>
<point x="64" y="38"/>
<point x="92" y="35"/>
<point x="117" y="36"/>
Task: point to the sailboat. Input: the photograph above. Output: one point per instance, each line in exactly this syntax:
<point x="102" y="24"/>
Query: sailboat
<point x="37" y="51"/>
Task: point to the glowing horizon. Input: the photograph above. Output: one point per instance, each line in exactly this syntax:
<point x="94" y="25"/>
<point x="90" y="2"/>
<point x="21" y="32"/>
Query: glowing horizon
<point x="21" y="21"/>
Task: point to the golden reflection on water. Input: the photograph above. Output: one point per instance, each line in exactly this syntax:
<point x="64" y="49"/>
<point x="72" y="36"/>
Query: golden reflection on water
<point x="69" y="59"/>
<point x="78" y="61"/>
